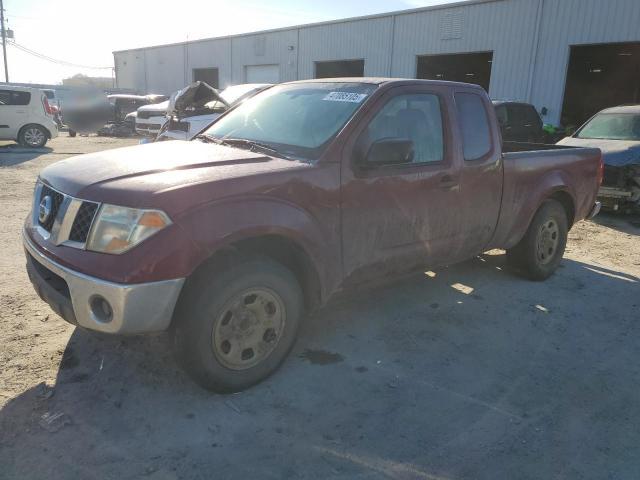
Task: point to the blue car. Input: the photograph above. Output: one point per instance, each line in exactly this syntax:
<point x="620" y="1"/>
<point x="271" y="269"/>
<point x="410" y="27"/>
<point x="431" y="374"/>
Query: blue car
<point x="615" y="131"/>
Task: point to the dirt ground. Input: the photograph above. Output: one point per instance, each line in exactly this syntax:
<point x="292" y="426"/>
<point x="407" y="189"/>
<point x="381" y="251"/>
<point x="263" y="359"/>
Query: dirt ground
<point x="466" y="373"/>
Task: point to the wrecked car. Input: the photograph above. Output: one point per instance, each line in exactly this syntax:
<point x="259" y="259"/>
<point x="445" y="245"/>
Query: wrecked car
<point x="104" y="115"/>
<point x="615" y="131"/>
<point x="198" y="105"/>
<point x="304" y="191"/>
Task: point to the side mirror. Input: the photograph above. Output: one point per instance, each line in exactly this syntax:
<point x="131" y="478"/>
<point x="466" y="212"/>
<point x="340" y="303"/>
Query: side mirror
<point x="390" y="151"/>
<point x="544" y="111"/>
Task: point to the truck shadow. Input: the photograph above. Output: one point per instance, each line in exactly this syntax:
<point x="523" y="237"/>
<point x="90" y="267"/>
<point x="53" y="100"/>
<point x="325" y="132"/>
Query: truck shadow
<point x="455" y="358"/>
<point x="626" y="223"/>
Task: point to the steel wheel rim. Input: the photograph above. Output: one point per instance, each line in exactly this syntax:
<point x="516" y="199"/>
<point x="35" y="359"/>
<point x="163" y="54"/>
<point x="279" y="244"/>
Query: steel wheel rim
<point x="33" y="136"/>
<point x="249" y="328"/>
<point x="548" y="240"/>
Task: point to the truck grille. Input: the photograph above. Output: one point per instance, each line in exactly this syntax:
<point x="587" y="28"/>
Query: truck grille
<point x="82" y="222"/>
<point x="148" y="126"/>
<point x="56" y="201"/>
<point x="148" y="114"/>
<point x="74" y="217"/>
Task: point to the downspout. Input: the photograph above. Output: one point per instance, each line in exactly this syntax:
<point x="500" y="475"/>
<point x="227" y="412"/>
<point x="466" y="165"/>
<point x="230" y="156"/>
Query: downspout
<point x="536" y="47"/>
<point x="144" y="59"/>
<point x="185" y="78"/>
<point x="298" y="56"/>
<point x="393" y="44"/>
<point x="231" y="60"/>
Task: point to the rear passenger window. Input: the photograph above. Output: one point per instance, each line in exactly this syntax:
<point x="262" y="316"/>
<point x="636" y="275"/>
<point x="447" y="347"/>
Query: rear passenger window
<point x="12" y="97"/>
<point x="474" y="125"/>
<point x="416" y="117"/>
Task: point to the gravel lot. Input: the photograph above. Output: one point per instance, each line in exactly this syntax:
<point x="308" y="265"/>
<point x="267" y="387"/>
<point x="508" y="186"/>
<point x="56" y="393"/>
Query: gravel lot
<point x="472" y="373"/>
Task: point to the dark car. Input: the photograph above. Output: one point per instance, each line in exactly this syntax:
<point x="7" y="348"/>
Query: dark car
<point x="519" y="122"/>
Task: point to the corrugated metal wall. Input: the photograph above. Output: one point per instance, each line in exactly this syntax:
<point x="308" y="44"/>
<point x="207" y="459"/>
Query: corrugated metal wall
<point x="575" y="22"/>
<point x="530" y="40"/>
<point x="208" y="54"/>
<point x="370" y="40"/>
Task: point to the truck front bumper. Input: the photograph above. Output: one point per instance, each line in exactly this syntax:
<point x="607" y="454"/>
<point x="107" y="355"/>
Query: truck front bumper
<point x="100" y="305"/>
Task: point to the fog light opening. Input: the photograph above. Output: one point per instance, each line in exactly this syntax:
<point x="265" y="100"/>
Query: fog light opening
<point x="101" y="309"/>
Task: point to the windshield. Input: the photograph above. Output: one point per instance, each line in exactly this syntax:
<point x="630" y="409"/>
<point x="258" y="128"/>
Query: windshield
<point x="233" y="94"/>
<point x="298" y="119"/>
<point x="612" y="126"/>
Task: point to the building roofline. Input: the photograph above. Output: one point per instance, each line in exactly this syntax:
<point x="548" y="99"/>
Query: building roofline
<point x="395" y="13"/>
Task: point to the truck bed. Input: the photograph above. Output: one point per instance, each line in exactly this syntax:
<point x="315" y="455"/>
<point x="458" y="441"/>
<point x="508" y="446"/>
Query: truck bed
<point x="532" y="172"/>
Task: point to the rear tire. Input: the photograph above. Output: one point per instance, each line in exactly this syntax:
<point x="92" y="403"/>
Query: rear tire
<point x="540" y="251"/>
<point x="72" y="133"/>
<point x="237" y="322"/>
<point x="33" y="136"/>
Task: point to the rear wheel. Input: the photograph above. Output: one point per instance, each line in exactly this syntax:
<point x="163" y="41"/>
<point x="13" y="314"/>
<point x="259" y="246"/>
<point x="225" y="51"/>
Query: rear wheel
<point x="540" y="251"/>
<point x="72" y="133"/>
<point x="236" y="325"/>
<point x="33" y="136"/>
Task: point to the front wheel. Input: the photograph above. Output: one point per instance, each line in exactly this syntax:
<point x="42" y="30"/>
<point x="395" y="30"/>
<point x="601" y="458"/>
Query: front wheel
<point x="235" y="326"/>
<point x="540" y="251"/>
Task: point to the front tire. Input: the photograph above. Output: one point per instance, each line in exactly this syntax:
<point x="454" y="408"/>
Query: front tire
<point x="540" y="251"/>
<point x="33" y="136"/>
<point x="236" y="324"/>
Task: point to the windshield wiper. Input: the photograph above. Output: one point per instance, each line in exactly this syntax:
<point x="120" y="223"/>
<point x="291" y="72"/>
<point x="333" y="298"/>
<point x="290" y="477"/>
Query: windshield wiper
<point x="207" y="139"/>
<point x="251" y="144"/>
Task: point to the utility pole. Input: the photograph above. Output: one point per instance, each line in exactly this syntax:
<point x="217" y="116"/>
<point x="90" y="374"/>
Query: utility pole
<point x="4" y="43"/>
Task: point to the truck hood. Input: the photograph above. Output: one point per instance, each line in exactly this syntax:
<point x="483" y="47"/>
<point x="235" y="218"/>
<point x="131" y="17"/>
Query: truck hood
<point x="156" y="107"/>
<point x="139" y="175"/>
<point x="616" y="153"/>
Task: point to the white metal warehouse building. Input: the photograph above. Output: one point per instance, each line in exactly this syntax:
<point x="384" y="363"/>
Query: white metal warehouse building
<point x="570" y="58"/>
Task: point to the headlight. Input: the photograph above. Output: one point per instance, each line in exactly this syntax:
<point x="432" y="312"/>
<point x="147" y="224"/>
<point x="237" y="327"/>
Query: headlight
<point x="118" y="229"/>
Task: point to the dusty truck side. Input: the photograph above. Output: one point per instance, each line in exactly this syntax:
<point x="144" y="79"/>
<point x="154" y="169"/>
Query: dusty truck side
<point x="299" y="193"/>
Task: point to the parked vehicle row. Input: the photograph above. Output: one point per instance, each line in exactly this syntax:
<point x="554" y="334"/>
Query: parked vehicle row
<point x="303" y="191"/>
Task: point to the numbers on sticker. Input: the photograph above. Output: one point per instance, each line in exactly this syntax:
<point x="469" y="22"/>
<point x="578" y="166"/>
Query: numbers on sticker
<point x="345" y="97"/>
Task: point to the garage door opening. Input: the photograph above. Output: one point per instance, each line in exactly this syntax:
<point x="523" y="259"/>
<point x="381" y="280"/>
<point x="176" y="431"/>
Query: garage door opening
<point x="262" y="73"/>
<point x="207" y="75"/>
<point x="459" y="67"/>
<point x="598" y="77"/>
<point x="340" y="68"/>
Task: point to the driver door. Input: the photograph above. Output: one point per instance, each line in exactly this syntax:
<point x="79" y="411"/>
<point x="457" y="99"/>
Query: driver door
<point x="397" y="217"/>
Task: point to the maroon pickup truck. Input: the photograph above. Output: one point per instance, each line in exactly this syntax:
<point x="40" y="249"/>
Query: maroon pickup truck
<point x="301" y="192"/>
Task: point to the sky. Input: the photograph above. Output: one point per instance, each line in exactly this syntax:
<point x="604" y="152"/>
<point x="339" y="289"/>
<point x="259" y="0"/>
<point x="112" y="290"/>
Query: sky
<point x="86" y="32"/>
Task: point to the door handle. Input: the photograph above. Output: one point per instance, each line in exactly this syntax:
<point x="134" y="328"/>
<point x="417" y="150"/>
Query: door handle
<point x="448" y="181"/>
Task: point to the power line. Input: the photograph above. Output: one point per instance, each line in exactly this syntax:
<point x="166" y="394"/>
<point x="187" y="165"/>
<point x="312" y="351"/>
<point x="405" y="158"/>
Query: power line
<point x="54" y="60"/>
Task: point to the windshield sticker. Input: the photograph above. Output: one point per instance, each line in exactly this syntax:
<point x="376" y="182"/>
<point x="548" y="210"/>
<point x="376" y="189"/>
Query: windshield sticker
<point x="345" y="97"/>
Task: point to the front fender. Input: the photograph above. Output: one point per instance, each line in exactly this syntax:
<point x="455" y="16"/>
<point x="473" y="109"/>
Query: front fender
<point x="215" y="226"/>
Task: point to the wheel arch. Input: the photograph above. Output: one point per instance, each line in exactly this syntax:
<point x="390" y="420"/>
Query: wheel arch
<point x="559" y="193"/>
<point x="47" y="131"/>
<point x="275" y="246"/>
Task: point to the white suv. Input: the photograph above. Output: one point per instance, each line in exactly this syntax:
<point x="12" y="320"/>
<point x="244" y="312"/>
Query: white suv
<point x="26" y="116"/>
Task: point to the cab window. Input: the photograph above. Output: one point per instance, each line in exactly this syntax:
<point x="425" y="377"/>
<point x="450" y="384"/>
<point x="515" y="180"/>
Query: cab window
<point x="415" y="117"/>
<point x="474" y="125"/>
